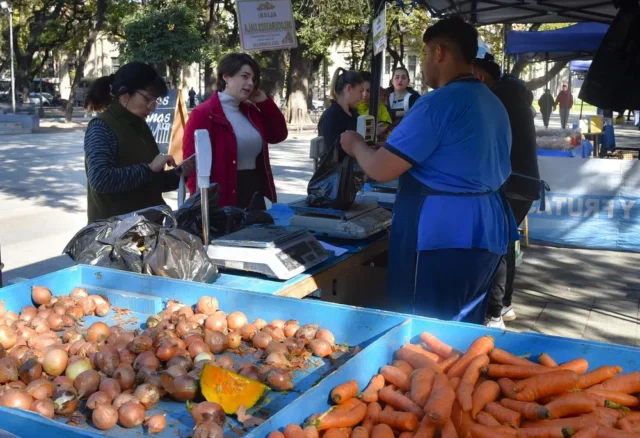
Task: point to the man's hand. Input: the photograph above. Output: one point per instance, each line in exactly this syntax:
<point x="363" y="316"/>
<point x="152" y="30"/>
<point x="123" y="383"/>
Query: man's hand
<point x="349" y="140"/>
<point x="258" y="96"/>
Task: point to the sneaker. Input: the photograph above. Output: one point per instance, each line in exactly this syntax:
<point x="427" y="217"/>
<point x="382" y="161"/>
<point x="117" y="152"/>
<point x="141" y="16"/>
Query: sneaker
<point x="494" y="323"/>
<point x="508" y="314"/>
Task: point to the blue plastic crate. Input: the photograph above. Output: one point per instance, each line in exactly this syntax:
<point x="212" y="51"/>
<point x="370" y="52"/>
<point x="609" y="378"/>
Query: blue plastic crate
<point x="459" y="335"/>
<point x="145" y="295"/>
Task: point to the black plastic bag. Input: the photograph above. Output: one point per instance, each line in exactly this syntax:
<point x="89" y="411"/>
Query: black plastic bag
<point x="336" y="182"/>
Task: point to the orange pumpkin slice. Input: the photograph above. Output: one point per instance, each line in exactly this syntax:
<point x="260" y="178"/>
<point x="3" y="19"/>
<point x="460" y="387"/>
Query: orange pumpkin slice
<point x="230" y="390"/>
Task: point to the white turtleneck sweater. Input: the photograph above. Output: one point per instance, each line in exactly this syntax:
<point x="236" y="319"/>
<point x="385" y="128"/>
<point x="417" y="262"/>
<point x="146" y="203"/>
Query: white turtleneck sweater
<point x="247" y="136"/>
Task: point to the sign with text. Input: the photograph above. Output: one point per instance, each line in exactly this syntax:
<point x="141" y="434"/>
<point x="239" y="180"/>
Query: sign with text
<point x="266" y="25"/>
<point x="380" y="33"/>
<point x="167" y="123"/>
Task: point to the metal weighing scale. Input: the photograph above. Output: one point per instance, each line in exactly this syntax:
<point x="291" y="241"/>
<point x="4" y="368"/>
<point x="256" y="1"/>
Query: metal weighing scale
<point x="274" y="251"/>
<point x="363" y="219"/>
<point x="384" y="192"/>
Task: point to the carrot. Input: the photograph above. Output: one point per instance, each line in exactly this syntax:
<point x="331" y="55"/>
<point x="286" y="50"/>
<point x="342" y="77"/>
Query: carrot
<point x="486" y="419"/>
<point x="469" y="378"/>
<point x="417" y="360"/>
<point x="426" y="429"/>
<point x="530" y="411"/>
<point x="545" y="360"/>
<point x="338" y="418"/>
<point x="348" y="404"/>
<point x="482" y="345"/>
<point x="627" y="383"/>
<point x="400" y="402"/>
<point x="614" y="414"/>
<point x="598" y="375"/>
<point x="406" y="435"/>
<point x="543" y="385"/>
<point x="515" y="371"/>
<point x="607" y="432"/>
<point x="371" y="418"/>
<point x="418" y="349"/>
<point x="438" y="408"/>
<point x="481" y="431"/>
<point x="624" y="424"/>
<point x="370" y="393"/>
<point x="575" y="423"/>
<point x="437" y="346"/>
<point x="405" y="421"/>
<point x="572" y="405"/>
<point x="311" y="432"/>
<point x="396" y="377"/>
<point x="421" y="384"/>
<point x="461" y="420"/>
<point x="505" y="358"/>
<point x="382" y="431"/>
<point x="404" y="366"/>
<point x="506" y="387"/>
<point x="616" y="397"/>
<point x="335" y="433"/>
<point x="360" y="432"/>
<point x="579" y="365"/>
<point x="276" y="434"/>
<point x="454" y="383"/>
<point x="588" y="432"/>
<point x="447" y="363"/>
<point x="504" y="415"/>
<point x="484" y="394"/>
<point x="293" y="431"/>
<point x="344" y="392"/>
<point x="545" y="432"/>
<point x="439" y="380"/>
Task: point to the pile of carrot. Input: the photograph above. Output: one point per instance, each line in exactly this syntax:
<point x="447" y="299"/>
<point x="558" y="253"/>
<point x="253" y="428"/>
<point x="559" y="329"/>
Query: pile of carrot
<point x="434" y="390"/>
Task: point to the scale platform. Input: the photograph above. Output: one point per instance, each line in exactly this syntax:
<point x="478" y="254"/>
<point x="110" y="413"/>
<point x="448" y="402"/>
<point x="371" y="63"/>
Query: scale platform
<point x="271" y="250"/>
<point x="384" y="187"/>
<point x="364" y="219"/>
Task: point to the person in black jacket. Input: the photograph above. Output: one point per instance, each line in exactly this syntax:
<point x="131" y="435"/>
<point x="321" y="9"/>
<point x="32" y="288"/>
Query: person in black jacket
<point x="342" y="115"/>
<point x="523" y="187"/>
<point x="401" y="96"/>
<point x="546" y="103"/>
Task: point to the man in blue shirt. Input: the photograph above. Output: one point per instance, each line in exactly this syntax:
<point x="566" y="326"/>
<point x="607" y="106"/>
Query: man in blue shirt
<point x="451" y="221"/>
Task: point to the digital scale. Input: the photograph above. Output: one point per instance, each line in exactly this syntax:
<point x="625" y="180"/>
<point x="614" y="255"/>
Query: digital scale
<point x="274" y="251"/>
<point x="277" y="252"/>
<point x="384" y="192"/>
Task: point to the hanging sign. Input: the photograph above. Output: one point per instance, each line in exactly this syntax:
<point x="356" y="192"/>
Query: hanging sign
<point x="380" y="33"/>
<point x="167" y="123"/>
<point x="266" y="25"/>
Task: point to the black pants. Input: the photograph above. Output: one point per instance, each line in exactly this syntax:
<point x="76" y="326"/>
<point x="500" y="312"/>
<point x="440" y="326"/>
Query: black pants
<point x="248" y="184"/>
<point x="502" y="287"/>
<point x="545" y="118"/>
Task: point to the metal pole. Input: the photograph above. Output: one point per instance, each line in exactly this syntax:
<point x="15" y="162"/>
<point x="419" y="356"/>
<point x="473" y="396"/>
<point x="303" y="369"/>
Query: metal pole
<point x="376" y="69"/>
<point x="41" y="111"/>
<point x="13" y="79"/>
<point x="504" y="46"/>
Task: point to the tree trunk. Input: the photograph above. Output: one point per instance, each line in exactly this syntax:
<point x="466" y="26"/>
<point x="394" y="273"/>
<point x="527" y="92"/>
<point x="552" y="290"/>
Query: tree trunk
<point x="519" y="66"/>
<point x="209" y="79"/>
<point x="84" y="56"/>
<point x="541" y="81"/>
<point x="174" y="69"/>
<point x="298" y="79"/>
<point x="273" y="75"/>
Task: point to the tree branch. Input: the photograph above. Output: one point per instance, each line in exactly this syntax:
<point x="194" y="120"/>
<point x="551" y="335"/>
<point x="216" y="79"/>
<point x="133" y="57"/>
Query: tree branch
<point x="538" y="82"/>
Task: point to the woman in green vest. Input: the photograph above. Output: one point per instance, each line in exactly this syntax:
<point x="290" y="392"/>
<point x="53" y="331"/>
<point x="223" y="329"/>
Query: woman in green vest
<point x="125" y="169"/>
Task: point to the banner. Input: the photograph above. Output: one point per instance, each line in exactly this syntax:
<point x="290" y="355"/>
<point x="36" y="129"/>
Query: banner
<point x="593" y="203"/>
<point x="266" y="25"/>
<point x="380" y="32"/>
<point x="167" y="123"/>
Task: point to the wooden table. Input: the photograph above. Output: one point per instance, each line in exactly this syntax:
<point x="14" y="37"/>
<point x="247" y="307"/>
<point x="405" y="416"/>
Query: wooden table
<point x="364" y="264"/>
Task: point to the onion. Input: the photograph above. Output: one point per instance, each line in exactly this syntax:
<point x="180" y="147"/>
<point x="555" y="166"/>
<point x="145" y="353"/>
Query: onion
<point x="307" y="332"/>
<point x="13" y="316"/>
<point x="225" y="362"/>
<point x="40" y="324"/>
<point x="326" y="335"/>
<point x="77" y="367"/>
<point x="59" y="310"/>
<point x="25" y="332"/>
<point x="140" y="344"/>
<point x="111" y="387"/>
<point x="42" y="342"/>
<point x="236" y="320"/>
<point x="148" y="394"/>
<point x="259" y="324"/>
<point x="124" y="398"/>
<point x="207" y="305"/>
<point x="248" y="331"/>
<point x="87" y="305"/>
<point x="30" y="370"/>
<point x="75" y="347"/>
<point x="16" y="398"/>
<point x="210" y="410"/>
<point x="175" y="371"/>
<point x="198" y="347"/>
<point x="79" y="292"/>
<point x="261" y="340"/>
<point x="153" y="321"/>
<point x="276" y="333"/>
<point x="203" y="356"/>
<point x="55" y="362"/>
<point x="61" y="381"/>
<point x="217" y="341"/>
<point x="3" y="310"/>
<point x="18" y="384"/>
<point x="40" y="389"/>
<point x="182" y="361"/>
<point x="208" y="429"/>
<point x="183" y="388"/>
<point x="294" y="346"/>
<point x="71" y="336"/>
<point x="217" y="321"/>
<point x="278" y="360"/>
<point x="108" y="359"/>
<point x="43" y="407"/>
<point x="276" y="347"/>
<point x="65" y="402"/>
<point x="28" y="313"/>
<point x="131" y="414"/>
<point x="277" y="323"/>
<point x="102" y="309"/>
<point x="8" y="370"/>
<point x="125" y="377"/>
<point x="173" y="306"/>
<point x="156" y="423"/>
<point x="164" y="353"/>
<point x="104" y="416"/>
<point x="278" y="380"/>
<point x="87" y="383"/>
<point x="99" y="299"/>
<point x="55" y="322"/>
<point x="126" y="356"/>
<point x="98" y="332"/>
<point x="320" y="348"/>
<point x="290" y="328"/>
<point x="97" y="398"/>
<point x="251" y="371"/>
<point x="146" y="359"/>
<point x="8" y="337"/>
<point x="186" y="312"/>
<point x="234" y="339"/>
<point x="40" y="295"/>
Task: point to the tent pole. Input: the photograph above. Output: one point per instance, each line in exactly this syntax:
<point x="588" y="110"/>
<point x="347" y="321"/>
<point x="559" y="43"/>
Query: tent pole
<point x="376" y="68"/>
<point x="546" y="69"/>
<point x="581" y="105"/>
<point x="504" y="45"/>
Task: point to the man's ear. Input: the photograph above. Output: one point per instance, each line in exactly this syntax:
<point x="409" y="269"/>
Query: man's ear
<point x="439" y="53"/>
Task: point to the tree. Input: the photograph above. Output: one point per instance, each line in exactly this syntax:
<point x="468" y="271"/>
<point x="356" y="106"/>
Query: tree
<point x="404" y="32"/>
<point x="168" y="34"/>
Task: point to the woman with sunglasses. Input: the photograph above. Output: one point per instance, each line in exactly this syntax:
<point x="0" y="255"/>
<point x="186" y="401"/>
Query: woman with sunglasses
<point x="125" y="169"/>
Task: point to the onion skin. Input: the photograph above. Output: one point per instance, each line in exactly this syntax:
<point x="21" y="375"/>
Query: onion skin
<point x="277" y="323"/>
<point x="236" y="320"/>
<point x="217" y="321"/>
<point x="326" y="335"/>
<point x="182" y="388"/>
<point x="8" y="370"/>
<point x="307" y="332"/>
<point x="77" y="367"/>
<point x="278" y="380"/>
<point x="140" y="344"/>
<point x="276" y="347"/>
<point x="125" y="377"/>
<point x="131" y="414"/>
<point x="87" y="383"/>
<point x="40" y="389"/>
<point x="65" y="402"/>
<point x="8" y="337"/>
<point x="40" y="295"/>
<point x="104" y="416"/>
<point x="79" y="292"/>
<point x="208" y="429"/>
<point x="210" y="410"/>
<point x="146" y="359"/>
<point x="182" y="361"/>
<point x="147" y="394"/>
<point x="217" y="341"/>
<point x="156" y="423"/>
<point x="97" y="398"/>
<point x="108" y="360"/>
<point x="225" y="362"/>
<point x="124" y="398"/>
<point x="320" y="348"/>
<point x="207" y="305"/>
<point x="234" y="340"/>
<point x="16" y="398"/>
<point x="261" y="340"/>
<point x="111" y="387"/>
<point x="98" y="332"/>
<point x="43" y="407"/>
<point x="55" y="362"/>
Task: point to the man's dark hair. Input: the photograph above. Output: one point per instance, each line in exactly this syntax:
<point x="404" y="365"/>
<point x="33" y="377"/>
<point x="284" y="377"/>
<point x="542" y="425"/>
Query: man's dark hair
<point x="231" y="64"/>
<point x="457" y="35"/>
<point x="489" y="65"/>
<point x="365" y="75"/>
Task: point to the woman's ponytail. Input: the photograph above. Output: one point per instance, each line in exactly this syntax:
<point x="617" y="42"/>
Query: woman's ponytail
<point x="100" y="94"/>
<point x="341" y="78"/>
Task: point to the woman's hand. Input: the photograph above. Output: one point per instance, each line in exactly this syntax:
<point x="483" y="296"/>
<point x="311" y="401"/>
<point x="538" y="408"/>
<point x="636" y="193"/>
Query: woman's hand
<point x="161" y="160"/>
<point x="401" y="113"/>
<point x="187" y="167"/>
<point x="257" y="96"/>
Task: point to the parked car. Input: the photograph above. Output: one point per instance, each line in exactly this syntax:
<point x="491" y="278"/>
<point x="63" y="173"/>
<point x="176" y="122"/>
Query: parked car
<point x="36" y="97"/>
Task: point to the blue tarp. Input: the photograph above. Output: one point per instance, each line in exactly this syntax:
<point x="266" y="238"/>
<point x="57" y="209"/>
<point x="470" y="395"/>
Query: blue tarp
<point x="581" y="66"/>
<point x="578" y="41"/>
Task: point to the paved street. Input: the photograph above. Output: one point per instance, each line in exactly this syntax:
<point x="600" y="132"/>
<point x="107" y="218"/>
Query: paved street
<point x="565" y="292"/>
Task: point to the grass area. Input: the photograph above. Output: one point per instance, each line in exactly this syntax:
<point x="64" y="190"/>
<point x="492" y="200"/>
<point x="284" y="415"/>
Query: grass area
<point x="587" y="109"/>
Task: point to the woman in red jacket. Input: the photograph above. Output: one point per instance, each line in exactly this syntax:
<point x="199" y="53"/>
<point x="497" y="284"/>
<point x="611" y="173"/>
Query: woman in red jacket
<point x="241" y="121"/>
